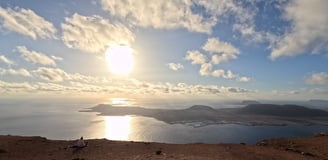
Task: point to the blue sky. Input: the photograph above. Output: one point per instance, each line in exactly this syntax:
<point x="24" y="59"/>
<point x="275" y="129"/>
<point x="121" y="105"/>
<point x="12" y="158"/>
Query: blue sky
<point x="217" y="49"/>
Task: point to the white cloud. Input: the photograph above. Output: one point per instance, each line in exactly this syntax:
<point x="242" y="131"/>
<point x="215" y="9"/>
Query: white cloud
<point x="86" y="79"/>
<point x="222" y="73"/>
<point x="214" y="45"/>
<point x="13" y="87"/>
<point x="51" y="74"/>
<point x="229" y="75"/>
<point x="160" y="14"/>
<point x="115" y="87"/>
<point x="175" y="66"/>
<point x="59" y="75"/>
<point x="185" y="89"/>
<point x="26" y="22"/>
<point x="221" y="51"/>
<point x="317" y="78"/>
<point x="244" y="79"/>
<point x="20" y="72"/>
<point x="308" y="32"/>
<point x="196" y="57"/>
<point x="237" y="90"/>
<point x="56" y="58"/>
<point x="35" y="57"/>
<point x="218" y="73"/>
<point x="205" y="69"/>
<point x="52" y="87"/>
<point x="6" y="60"/>
<point x="94" y="34"/>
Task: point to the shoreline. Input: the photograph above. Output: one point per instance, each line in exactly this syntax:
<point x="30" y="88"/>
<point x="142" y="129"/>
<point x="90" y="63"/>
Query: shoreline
<point x="35" y="147"/>
<point x="249" y="115"/>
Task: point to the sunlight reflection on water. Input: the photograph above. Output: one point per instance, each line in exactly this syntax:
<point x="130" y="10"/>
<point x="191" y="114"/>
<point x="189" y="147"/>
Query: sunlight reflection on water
<point x="117" y="127"/>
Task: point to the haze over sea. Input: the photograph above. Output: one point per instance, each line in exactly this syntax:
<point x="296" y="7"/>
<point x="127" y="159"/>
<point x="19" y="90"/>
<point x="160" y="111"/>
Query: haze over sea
<point x="61" y="119"/>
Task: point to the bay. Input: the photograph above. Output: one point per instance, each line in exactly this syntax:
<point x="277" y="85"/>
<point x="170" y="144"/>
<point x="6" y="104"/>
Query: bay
<point x="64" y="121"/>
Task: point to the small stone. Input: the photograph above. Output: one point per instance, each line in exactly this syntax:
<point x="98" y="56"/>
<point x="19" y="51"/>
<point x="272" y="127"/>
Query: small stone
<point x="307" y="154"/>
<point x="3" y="151"/>
<point x="159" y="152"/>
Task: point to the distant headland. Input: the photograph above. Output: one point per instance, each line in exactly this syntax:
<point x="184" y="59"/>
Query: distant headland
<point x="201" y="115"/>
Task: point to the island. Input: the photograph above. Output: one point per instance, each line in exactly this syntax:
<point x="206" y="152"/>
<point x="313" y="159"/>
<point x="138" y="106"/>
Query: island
<point x="201" y="115"/>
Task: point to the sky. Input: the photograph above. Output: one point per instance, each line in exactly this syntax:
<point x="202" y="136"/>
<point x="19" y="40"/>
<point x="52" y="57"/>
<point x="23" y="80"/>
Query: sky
<point x="212" y="49"/>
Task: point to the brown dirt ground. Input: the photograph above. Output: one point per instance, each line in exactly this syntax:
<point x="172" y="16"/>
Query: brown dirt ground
<point x="38" y="148"/>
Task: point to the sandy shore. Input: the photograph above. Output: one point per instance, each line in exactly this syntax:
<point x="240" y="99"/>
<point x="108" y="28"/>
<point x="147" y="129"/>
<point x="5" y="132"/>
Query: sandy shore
<point x="38" y="148"/>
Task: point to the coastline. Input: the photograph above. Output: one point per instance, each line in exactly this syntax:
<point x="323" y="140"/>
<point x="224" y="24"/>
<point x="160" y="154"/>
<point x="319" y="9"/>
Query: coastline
<point x="202" y="115"/>
<point x="21" y="147"/>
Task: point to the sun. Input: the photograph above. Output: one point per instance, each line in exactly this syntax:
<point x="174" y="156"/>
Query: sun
<point x="120" y="59"/>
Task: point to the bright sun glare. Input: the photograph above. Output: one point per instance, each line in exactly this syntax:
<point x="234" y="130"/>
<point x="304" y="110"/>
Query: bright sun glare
<point x="118" y="127"/>
<point x="120" y="59"/>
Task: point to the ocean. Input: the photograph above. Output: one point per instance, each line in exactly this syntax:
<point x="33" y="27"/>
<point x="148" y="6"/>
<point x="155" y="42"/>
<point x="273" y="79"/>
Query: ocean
<point x="63" y="120"/>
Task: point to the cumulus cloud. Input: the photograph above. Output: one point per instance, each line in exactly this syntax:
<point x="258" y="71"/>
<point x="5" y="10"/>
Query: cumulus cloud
<point x="225" y="74"/>
<point x="218" y="73"/>
<point x="196" y="57"/>
<point x="195" y="16"/>
<point x="26" y="22"/>
<point x="19" y="72"/>
<point x="160" y="14"/>
<point x="35" y="57"/>
<point x="317" y="78"/>
<point x="6" y="60"/>
<point x="214" y="45"/>
<point x="229" y="75"/>
<point x="94" y="34"/>
<point x="175" y="66"/>
<point x="244" y="79"/>
<point x="51" y="74"/>
<point x="205" y="69"/>
<point x="221" y="51"/>
<point x="308" y="32"/>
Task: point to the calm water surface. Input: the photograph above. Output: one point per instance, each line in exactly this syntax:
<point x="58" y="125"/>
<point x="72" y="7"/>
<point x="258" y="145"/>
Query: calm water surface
<point x="64" y="121"/>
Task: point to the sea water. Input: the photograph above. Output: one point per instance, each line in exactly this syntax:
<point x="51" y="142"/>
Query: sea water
<point x="58" y="120"/>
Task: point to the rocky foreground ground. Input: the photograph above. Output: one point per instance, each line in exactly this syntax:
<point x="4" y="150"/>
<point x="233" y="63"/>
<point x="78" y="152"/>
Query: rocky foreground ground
<point x="38" y="148"/>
